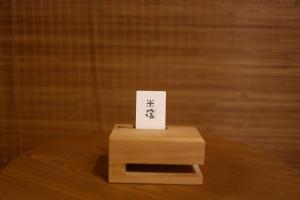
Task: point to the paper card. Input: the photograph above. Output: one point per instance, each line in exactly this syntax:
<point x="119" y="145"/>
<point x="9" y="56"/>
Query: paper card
<point x="150" y="110"/>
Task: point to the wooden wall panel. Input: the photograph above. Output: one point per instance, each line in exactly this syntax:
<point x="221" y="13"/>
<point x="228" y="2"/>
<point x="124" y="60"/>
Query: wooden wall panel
<point x="7" y="138"/>
<point x="231" y="68"/>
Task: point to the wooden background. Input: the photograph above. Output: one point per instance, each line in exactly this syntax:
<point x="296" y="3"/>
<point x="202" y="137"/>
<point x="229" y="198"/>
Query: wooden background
<point x="231" y="68"/>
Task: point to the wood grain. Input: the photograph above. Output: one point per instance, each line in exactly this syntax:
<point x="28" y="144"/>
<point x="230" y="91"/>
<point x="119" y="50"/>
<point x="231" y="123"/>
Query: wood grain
<point x="71" y="67"/>
<point x="76" y="168"/>
<point x="178" y="146"/>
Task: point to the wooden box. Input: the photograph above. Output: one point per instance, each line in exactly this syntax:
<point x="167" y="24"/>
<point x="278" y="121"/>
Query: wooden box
<point x="170" y="156"/>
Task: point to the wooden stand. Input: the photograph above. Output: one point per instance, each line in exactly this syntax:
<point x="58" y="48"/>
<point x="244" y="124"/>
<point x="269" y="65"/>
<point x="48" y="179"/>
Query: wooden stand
<point x="170" y="156"/>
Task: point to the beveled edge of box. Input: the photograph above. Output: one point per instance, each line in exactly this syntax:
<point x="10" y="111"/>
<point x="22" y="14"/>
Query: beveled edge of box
<point x="171" y="133"/>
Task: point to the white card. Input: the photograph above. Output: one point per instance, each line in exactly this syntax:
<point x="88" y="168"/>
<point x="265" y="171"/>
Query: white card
<point x="150" y="110"/>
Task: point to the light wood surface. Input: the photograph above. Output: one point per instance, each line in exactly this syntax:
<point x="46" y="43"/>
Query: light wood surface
<point x="172" y="149"/>
<point x="76" y="168"/>
<point x="231" y="68"/>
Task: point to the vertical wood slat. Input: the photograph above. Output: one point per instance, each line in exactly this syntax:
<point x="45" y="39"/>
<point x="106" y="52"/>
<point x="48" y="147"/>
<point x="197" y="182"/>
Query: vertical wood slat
<point x="8" y="140"/>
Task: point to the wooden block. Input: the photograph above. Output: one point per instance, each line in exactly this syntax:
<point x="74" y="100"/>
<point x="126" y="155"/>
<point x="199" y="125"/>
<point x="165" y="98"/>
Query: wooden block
<point x="170" y="156"/>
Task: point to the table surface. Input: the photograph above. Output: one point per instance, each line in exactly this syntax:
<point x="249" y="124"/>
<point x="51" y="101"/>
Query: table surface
<point x="76" y="168"/>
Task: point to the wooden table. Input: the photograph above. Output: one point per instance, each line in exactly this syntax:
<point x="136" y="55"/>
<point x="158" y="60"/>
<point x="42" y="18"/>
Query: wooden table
<point x="76" y="168"/>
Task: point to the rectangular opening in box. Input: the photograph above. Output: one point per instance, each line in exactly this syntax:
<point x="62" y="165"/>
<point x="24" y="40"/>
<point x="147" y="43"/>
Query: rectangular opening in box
<point x="160" y="168"/>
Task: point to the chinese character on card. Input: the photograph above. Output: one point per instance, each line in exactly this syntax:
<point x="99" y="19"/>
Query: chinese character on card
<point x="150" y="110"/>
